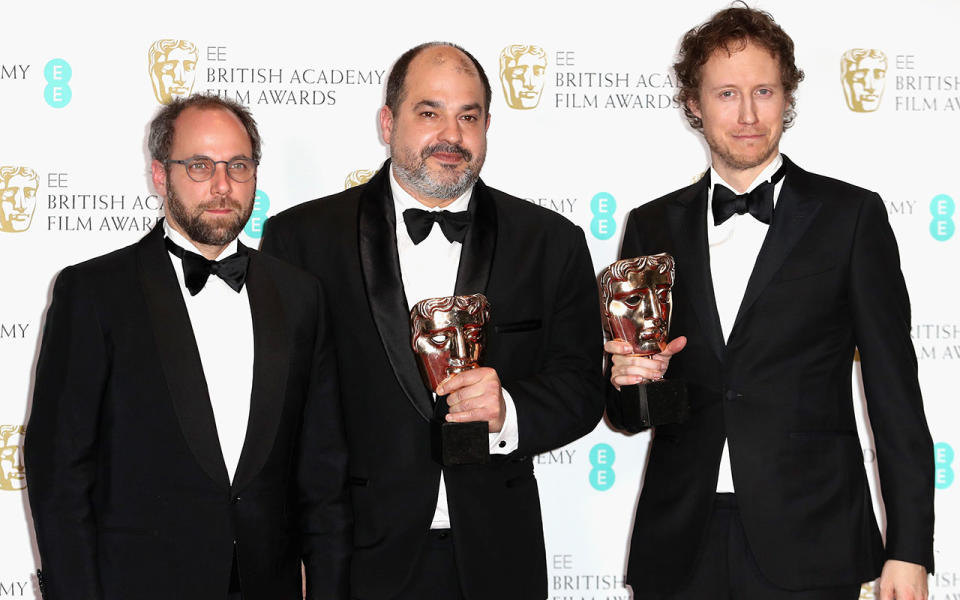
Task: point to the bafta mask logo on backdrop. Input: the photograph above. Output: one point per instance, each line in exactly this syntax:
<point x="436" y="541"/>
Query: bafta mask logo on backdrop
<point x="18" y="198"/>
<point x="173" y="66"/>
<point x="358" y="177"/>
<point x="864" y="77"/>
<point x="523" y="70"/>
<point x="12" y="475"/>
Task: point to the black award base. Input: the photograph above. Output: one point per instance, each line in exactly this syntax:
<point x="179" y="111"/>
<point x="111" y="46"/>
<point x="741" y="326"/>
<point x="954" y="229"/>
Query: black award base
<point x="464" y="443"/>
<point x="654" y="403"/>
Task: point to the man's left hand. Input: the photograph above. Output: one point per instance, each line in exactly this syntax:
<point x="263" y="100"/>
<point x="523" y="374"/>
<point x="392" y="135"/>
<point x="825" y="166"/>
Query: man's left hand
<point x="902" y="580"/>
<point x="475" y="395"/>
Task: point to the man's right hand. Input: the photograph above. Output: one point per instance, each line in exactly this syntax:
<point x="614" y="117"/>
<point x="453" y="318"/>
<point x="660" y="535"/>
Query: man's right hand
<point x="630" y="370"/>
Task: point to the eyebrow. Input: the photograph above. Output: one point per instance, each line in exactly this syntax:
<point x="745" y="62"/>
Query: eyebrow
<point x="438" y="104"/>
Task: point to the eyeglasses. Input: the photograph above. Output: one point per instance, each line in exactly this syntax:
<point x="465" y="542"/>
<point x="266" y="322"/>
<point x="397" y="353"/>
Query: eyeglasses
<point x="201" y="168"/>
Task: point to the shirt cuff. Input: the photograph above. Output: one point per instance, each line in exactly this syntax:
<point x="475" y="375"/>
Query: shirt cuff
<point x="508" y="438"/>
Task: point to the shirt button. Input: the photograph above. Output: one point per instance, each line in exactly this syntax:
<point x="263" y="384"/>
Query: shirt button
<point x="502" y="444"/>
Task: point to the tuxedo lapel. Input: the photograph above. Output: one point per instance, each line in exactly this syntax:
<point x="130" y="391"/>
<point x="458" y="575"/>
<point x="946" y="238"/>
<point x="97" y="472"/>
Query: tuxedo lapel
<point x="271" y="359"/>
<point x="795" y="210"/>
<point x="687" y="217"/>
<point x="179" y="356"/>
<point x="476" y="257"/>
<point x="380" y="264"/>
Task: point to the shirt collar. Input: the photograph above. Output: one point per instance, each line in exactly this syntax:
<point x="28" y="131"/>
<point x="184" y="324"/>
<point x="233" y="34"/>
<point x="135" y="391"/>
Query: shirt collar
<point x="186" y="244"/>
<point x="402" y="200"/>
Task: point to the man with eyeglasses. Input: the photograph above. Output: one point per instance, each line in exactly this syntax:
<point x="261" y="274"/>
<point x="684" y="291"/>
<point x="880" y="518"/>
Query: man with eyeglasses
<point x="184" y="437"/>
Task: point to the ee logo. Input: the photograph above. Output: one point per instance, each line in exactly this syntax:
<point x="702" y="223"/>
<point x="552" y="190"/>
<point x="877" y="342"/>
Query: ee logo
<point x="942" y="226"/>
<point x="602" y="475"/>
<point x="57" y="72"/>
<point x="261" y="204"/>
<point x="943" y="461"/>
<point x="603" y="225"/>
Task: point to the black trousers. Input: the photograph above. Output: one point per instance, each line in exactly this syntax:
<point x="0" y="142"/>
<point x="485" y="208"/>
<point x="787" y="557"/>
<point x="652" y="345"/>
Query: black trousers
<point x="726" y="568"/>
<point x="435" y="576"/>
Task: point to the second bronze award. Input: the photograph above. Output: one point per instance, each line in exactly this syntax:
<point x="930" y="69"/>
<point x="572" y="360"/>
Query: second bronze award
<point x="448" y="334"/>
<point x="636" y="296"/>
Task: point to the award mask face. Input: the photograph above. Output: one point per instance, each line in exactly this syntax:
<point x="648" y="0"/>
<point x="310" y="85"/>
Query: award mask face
<point x="635" y="297"/>
<point x="448" y="335"/>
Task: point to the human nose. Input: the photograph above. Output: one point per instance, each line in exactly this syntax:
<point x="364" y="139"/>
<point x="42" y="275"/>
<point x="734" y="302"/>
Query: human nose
<point x="451" y="132"/>
<point x="748" y="111"/>
<point x="220" y="182"/>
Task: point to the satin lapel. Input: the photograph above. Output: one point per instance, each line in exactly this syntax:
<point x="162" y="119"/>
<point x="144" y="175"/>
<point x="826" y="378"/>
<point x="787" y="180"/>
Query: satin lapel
<point x="688" y="225"/>
<point x="179" y="356"/>
<point x="476" y="257"/>
<point x="380" y="264"/>
<point x="271" y="360"/>
<point x="795" y="210"/>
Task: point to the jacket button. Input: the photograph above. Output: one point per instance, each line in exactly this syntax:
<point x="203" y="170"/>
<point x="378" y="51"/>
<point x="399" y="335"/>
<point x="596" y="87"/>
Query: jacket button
<point x="235" y="500"/>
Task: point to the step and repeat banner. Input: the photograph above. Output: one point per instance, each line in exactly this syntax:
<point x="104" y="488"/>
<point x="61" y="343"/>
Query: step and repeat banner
<point x="583" y="123"/>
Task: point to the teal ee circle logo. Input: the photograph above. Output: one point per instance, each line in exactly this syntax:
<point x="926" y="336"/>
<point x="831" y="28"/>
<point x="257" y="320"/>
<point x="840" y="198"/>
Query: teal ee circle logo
<point x="603" y="225"/>
<point x="602" y="475"/>
<point x="943" y="463"/>
<point x="57" y="72"/>
<point x="261" y="204"/>
<point x="942" y="225"/>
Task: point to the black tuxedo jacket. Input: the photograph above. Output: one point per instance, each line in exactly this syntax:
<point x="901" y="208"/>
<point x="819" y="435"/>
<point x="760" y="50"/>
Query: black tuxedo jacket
<point x="544" y="340"/>
<point x="826" y="281"/>
<point x="129" y="490"/>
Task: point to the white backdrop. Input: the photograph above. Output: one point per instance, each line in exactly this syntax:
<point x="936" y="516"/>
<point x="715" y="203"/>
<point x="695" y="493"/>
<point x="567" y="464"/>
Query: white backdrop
<point x="605" y="136"/>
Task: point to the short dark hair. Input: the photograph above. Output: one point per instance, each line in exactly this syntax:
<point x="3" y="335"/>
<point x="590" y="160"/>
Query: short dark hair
<point x="731" y="29"/>
<point x="398" y="75"/>
<point x="160" y="138"/>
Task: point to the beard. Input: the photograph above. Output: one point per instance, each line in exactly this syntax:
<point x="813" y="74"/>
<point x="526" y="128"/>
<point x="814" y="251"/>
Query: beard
<point x="210" y="231"/>
<point x="412" y="170"/>
<point x="739" y="160"/>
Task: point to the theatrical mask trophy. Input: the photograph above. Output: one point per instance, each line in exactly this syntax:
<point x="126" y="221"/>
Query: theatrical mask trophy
<point x="448" y="335"/>
<point x="636" y="298"/>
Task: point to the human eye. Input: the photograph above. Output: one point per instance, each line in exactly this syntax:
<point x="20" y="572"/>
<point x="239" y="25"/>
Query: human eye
<point x="240" y="165"/>
<point x="428" y="114"/>
<point x="764" y="92"/>
<point x="726" y="94"/>
<point x="471" y="118"/>
<point x="199" y="165"/>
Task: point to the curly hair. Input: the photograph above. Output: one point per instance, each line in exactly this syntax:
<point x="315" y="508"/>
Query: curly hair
<point x="731" y="29"/>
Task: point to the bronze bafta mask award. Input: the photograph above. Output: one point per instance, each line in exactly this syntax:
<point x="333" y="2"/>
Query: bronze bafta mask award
<point x="636" y="296"/>
<point x="448" y="335"/>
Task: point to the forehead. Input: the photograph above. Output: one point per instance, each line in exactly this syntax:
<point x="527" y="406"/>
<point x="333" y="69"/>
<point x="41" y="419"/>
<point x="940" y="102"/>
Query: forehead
<point x="455" y="317"/>
<point x="178" y="53"/>
<point x="749" y="64"/>
<point x="21" y="181"/>
<point x="443" y="73"/>
<point x="870" y="62"/>
<point x="210" y="131"/>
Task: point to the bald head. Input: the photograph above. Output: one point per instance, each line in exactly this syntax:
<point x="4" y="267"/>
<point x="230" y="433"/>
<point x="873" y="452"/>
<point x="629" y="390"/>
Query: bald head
<point x="435" y="54"/>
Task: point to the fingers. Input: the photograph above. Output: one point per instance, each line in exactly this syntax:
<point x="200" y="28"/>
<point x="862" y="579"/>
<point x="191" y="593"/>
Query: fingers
<point x="675" y="345"/>
<point x="617" y="347"/>
<point x="475" y="395"/>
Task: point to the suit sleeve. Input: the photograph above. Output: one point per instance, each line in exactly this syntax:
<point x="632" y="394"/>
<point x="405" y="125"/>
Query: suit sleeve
<point x="564" y="400"/>
<point x="60" y="450"/>
<point x="881" y="310"/>
<point x="326" y="521"/>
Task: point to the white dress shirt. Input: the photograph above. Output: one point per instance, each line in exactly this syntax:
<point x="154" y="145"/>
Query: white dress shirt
<point x="429" y="270"/>
<point x="734" y="246"/>
<point x="223" y="328"/>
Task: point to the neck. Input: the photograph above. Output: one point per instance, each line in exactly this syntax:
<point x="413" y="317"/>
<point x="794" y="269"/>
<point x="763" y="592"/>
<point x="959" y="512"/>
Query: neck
<point x="208" y="251"/>
<point x="739" y="178"/>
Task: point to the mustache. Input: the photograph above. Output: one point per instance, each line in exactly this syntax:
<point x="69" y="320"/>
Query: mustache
<point x="447" y="149"/>
<point x="220" y="203"/>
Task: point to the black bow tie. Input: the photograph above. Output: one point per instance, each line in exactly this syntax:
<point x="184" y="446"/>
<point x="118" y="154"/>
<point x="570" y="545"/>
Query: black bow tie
<point x="197" y="269"/>
<point x="452" y="224"/>
<point x="758" y="202"/>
